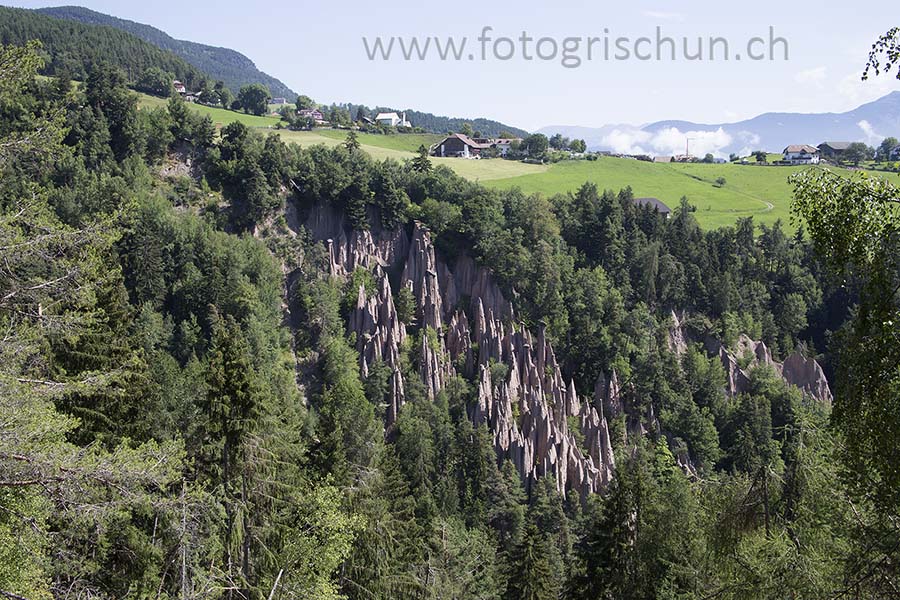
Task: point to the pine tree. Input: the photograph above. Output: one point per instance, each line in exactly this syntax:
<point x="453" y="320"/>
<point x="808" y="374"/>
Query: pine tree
<point x="536" y="564"/>
<point x="421" y="163"/>
<point x="231" y="411"/>
<point x="352" y="141"/>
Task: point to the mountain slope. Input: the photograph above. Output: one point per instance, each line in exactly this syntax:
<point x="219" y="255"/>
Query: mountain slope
<point x="778" y="129"/>
<point x="223" y="64"/>
<point x="236" y="70"/>
<point x="769" y="131"/>
<point x="73" y="46"/>
<point x="439" y="124"/>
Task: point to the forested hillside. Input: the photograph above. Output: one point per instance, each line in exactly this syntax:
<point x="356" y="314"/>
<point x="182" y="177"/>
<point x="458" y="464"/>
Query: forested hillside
<point x="437" y="124"/>
<point x="70" y="47"/>
<point x="221" y="64"/>
<point x="235" y="368"/>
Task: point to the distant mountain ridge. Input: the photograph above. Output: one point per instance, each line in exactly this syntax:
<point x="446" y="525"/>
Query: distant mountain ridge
<point x="769" y="131"/>
<point x="235" y="69"/>
<point x="72" y="47"/>
<point x="223" y="64"/>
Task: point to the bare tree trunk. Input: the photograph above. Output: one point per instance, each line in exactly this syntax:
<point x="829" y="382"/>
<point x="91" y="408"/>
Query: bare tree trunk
<point x="275" y="585"/>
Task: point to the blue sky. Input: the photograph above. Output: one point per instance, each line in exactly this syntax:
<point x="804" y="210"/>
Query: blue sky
<point x="317" y="49"/>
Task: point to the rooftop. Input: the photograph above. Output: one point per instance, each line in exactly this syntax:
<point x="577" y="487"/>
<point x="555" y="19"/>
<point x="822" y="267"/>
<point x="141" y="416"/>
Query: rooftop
<point x="800" y="148"/>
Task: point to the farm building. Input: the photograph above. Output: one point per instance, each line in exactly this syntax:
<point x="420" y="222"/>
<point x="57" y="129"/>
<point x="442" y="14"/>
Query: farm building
<point x="311" y="113"/>
<point x="801" y="154"/>
<point x="833" y="150"/>
<point x="654" y="203"/>
<point x="459" y="145"/>
<point x="279" y="101"/>
<point x="392" y="119"/>
<point x="503" y="145"/>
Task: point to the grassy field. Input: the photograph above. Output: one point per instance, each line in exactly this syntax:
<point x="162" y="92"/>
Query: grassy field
<point x="333" y="137"/>
<point x="406" y="142"/>
<point x="760" y="192"/>
<point x="491" y="170"/>
<point x="220" y="116"/>
<point x="399" y="147"/>
<point x="404" y="146"/>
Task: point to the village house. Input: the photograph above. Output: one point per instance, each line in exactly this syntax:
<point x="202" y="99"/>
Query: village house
<point x="312" y="113"/>
<point x="800" y="154"/>
<point x="279" y="101"/>
<point x="833" y="150"/>
<point x="392" y="119"/>
<point x="655" y="204"/>
<point x="179" y="87"/>
<point x="458" y="145"/>
<point x="503" y="145"/>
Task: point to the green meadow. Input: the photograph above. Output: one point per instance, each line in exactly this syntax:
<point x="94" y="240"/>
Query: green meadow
<point x="751" y="190"/>
<point x="761" y="192"/>
<point x="220" y="116"/>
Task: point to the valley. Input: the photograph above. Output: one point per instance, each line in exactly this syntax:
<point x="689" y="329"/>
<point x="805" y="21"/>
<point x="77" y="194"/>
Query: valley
<point x="371" y="353"/>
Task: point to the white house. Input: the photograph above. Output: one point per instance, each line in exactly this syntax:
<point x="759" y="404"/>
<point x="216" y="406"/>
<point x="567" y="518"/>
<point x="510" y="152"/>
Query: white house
<point x="462" y="146"/>
<point x="179" y="87"/>
<point x="311" y="113"/>
<point x="801" y="154"/>
<point x="503" y="145"/>
<point x="392" y="119"/>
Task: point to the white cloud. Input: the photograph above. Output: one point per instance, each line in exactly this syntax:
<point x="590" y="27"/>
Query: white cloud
<point x="872" y="137"/>
<point x="813" y="77"/>
<point x="663" y="16"/>
<point x="627" y="141"/>
<point x="671" y="141"/>
<point x="859" y="92"/>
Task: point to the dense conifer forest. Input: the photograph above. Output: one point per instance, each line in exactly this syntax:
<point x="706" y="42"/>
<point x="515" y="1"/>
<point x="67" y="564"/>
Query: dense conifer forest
<point x="69" y="47"/>
<point x="235" y="368"/>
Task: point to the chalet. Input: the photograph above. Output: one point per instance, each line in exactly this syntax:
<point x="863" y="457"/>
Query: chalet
<point x="833" y="150"/>
<point x="801" y="154"/>
<point x="179" y="87"/>
<point x="458" y="145"/>
<point x="654" y="204"/>
<point x="503" y="145"/>
<point x="311" y="113"/>
<point x="392" y="119"/>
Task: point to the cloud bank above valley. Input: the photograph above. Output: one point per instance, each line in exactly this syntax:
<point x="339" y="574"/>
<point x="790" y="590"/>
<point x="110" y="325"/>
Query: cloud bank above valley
<point x="671" y="141"/>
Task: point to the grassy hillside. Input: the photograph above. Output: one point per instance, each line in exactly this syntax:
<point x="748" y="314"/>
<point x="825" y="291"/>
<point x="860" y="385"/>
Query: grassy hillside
<point x="220" y="116"/>
<point x="380" y="147"/>
<point x="404" y="142"/>
<point x="223" y="64"/>
<point x="760" y="192"/>
<point x="72" y="46"/>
